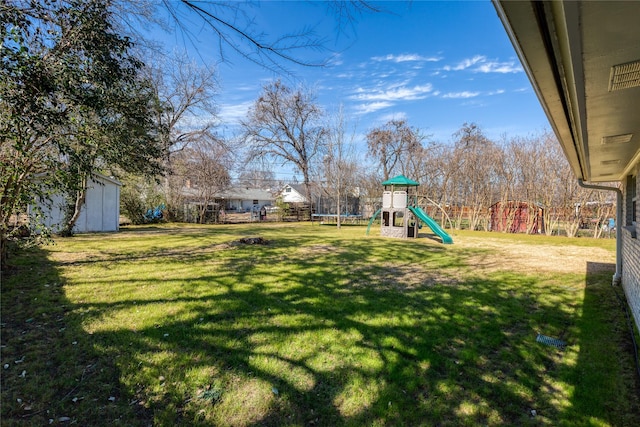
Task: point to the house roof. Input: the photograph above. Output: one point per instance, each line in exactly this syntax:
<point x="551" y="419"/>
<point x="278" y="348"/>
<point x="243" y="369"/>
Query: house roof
<point x="233" y="193"/>
<point x="246" y="193"/>
<point x="314" y="188"/>
<point x="298" y="187"/>
<point x="110" y="179"/>
<point x="583" y="60"/>
<point x="401" y="180"/>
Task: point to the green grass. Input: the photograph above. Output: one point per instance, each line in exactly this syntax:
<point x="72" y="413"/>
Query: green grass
<point x="181" y="325"/>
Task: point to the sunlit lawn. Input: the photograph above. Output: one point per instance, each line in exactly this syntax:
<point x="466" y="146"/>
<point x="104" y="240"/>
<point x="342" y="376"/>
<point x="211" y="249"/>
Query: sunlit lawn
<point x="184" y="325"/>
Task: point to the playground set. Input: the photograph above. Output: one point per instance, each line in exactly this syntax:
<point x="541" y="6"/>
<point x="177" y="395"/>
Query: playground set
<point x="400" y="212"/>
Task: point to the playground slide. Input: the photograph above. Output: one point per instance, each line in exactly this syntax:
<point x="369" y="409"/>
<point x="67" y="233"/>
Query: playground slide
<point x="373" y="218"/>
<point x="433" y="225"/>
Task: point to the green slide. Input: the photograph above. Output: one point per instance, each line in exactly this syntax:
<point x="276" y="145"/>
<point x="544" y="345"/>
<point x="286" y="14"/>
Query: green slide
<point x="422" y="216"/>
<point x="373" y="218"/>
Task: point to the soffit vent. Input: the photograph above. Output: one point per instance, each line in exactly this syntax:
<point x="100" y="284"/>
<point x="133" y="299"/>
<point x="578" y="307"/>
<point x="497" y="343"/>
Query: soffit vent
<point x="625" y="76"/>
<point x="617" y="139"/>
<point x="610" y="162"/>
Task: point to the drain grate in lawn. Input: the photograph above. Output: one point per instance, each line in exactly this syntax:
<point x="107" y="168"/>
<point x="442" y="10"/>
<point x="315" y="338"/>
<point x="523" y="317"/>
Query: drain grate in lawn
<point x="555" y="342"/>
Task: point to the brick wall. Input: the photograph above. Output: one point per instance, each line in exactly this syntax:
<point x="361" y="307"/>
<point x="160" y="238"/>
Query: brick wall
<point x="631" y="271"/>
<point x="631" y="251"/>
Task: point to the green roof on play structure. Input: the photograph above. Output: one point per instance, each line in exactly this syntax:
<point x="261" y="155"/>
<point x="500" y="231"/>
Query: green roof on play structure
<point x="400" y="180"/>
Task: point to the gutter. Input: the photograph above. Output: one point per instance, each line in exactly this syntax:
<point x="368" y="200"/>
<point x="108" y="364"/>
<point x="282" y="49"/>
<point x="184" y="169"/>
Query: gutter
<point x="617" y="277"/>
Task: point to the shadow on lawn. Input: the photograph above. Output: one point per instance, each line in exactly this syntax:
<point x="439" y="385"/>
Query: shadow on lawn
<point x="52" y="374"/>
<point x="330" y="336"/>
<point x="605" y="360"/>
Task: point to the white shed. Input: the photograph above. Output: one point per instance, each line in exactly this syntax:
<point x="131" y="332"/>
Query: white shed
<point x="101" y="210"/>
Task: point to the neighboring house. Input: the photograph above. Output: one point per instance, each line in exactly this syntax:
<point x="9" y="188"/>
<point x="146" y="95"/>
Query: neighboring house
<point x="100" y="213"/>
<point x="294" y="193"/>
<point x="233" y="199"/>
<point x="583" y="59"/>
<point x="242" y="199"/>
<point x="323" y="203"/>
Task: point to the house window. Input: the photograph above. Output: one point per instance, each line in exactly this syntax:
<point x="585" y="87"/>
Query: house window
<point x="631" y="200"/>
<point x="634" y="199"/>
<point x="287" y="190"/>
<point x="398" y="219"/>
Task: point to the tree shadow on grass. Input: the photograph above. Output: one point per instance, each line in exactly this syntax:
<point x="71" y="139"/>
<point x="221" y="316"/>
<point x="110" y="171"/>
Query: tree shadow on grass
<point x="338" y="340"/>
<point x="607" y="387"/>
<point x="379" y="332"/>
<point x="52" y="374"/>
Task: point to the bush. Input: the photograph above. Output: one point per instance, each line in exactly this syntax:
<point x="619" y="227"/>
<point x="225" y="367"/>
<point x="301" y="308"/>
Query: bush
<point x="133" y="207"/>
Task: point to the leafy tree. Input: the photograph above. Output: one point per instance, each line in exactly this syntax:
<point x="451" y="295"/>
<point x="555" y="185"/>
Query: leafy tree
<point x="285" y="125"/>
<point x="71" y="103"/>
<point x="138" y="195"/>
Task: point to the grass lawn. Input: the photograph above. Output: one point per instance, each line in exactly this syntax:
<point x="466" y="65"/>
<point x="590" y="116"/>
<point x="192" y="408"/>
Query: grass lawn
<point x="185" y="325"/>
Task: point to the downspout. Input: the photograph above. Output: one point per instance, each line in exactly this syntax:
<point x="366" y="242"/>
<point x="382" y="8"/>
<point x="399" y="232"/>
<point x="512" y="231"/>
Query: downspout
<point x="617" y="277"/>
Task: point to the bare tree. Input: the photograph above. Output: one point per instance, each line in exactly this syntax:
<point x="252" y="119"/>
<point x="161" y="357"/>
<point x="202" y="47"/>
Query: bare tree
<point x="603" y="208"/>
<point x="186" y="112"/>
<point x="554" y="170"/>
<point x="185" y="92"/>
<point x="203" y="168"/>
<point x="368" y="183"/>
<point x="257" y="177"/>
<point x="231" y="26"/>
<point x="285" y="125"/>
<point x="476" y="156"/>
<point x="339" y="163"/>
<point x="392" y="145"/>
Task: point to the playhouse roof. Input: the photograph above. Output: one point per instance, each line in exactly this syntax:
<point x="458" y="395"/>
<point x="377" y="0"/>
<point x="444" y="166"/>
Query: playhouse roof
<point x="400" y="180"/>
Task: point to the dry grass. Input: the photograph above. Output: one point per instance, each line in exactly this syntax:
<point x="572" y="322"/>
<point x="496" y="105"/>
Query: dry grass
<point x="499" y="254"/>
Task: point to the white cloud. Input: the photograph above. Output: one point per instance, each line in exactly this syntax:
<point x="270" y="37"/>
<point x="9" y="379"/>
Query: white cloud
<point x="407" y="57"/>
<point x="458" y="95"/>
<point x="499" y="67"/>
<point x="466" y="63"/>
<point x="392" y="116"/>
<point x="394" y="93"/>
<point x="335" y="60"/>
<point x="372" y="107"/>
<point x="246" y="87"/>
<point x="193" y="122"/>
<point x="233" y="113"/>
<point x="480" y="64"/>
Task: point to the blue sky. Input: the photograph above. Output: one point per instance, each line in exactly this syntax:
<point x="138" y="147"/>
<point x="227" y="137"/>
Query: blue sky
<point x="435" y="64"/>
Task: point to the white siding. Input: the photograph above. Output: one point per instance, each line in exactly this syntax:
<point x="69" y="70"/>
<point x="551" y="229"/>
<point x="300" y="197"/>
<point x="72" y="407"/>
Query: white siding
<point x="101" y="210"/>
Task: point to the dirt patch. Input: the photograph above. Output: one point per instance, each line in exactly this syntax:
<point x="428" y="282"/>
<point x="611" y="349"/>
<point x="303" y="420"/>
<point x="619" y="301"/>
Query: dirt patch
<point x="252" y="241"/>
<point x="531" y="258"/>
<point x="405" y="277"/>
<point x="319" y="249"/>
